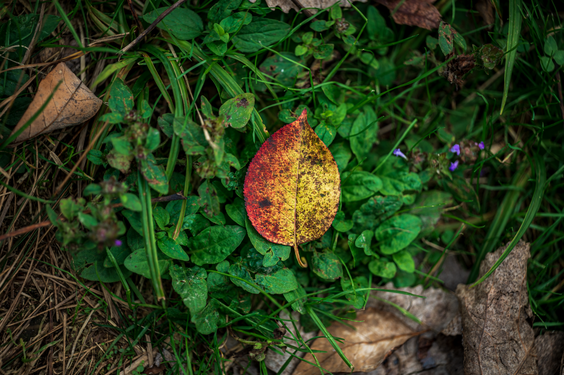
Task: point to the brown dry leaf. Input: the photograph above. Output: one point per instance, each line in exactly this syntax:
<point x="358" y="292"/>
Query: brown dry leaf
<point x="72" y="104"/>
<point x="486" y="10"/>
<point x="420" y="13"/>
<point x="497" y="337"/>
<point x="286" y="5"/>
<point x="372" y="340"/>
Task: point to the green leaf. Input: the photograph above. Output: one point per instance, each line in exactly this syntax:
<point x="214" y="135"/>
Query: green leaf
<point x="340" y="224"/>
<point x="232" y="23"/>
<point x="396" y="233"/>
<point x="195" y="223"/>
<point x="154" y="174"/>
<point x="357" y="252"/>
<point x="382" y="268"/>
<point x="445" y="38"/>
<point x="215" y="244"/>
<point x="341" y="153"/>
<point x="550" y="46"/>
<point x="359" y="185"/>
<point x="137" y="262"/>
<point x="87" y="220"/>
<point x="192" y="136"/>
<point x="260" y="33"/>
<point x="327" y="266"/>
<point x="97" y="272"/>
<point x="222" y="9"/>
<point x="279" y="282"/>
<point x="134" y="219"/>
<point x="121" y="98"/>
<point x="429" y="206"/>
<point x="165" y="123"/>
<point x="263" y="246"/>
<point x="96" y="157"/>
<point x="364" y="240"/>
<point x="298" y="305"/>
<point x="515" y="21"/>
<point x="300" y="50"/>
<point x="206" y="321"/>
<point x="237" y="111"/>
<point x="363" y="133"/>
<point x="209" y="200"/>
<point x="326" y="132"/>
<point x="122" y="145"/>
<point x="153" y="139"/>
<point x="357" y="299"/>
<point x="559" y="57"/>
<point x="238" y="270"/>
<point x="236" y="211"/>
<point x="183" y="23"/>
<point x="219" y="284"/>
<point x="191" y="285"/>
<point x="161" y="216"/>
<point x="547" y="64"/>
<point x="404" y="260"/>
<point x="170" y="248"/>
<point x="284" y="68"/>
<point x="70" y="209"/>
<point x="119" y="161"/>
<point x="119" y="253"/>
<point x="399" y="181"/>
<point x="369" y="215"/>
<point x="323" y="52"/>
<point x="131" y="202"/>
<point x="318" y="25"/>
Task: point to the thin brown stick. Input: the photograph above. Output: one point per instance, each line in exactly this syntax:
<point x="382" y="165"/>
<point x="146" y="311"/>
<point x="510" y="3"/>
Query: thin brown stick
<point x="47" y="223"/>
<point x="152" y="26"/>
<point x="139" y="25"/>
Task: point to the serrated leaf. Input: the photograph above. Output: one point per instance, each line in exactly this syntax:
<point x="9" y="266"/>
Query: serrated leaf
<point x="237" y="111"/>
<point x="215" y="244"/>
<point x="191" y="285"/>
<point x="396" y="233"/>
<point x="292" y="186"/>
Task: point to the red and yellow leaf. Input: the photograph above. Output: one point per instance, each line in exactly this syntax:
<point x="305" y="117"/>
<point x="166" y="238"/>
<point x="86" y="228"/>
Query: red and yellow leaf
<point x="292" y="186"/>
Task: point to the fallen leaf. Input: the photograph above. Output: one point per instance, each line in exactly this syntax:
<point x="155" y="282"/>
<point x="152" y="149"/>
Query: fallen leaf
<point x="435" y="310"/>
<point x="549" y="349"/>
<point x="72" y="104"/>
<point x="497" y="337"/>
<point x="286" y="5"/>
<point x="292" y="186"/>
<point x="420" y="13"/>
<point x="376" y="333"/>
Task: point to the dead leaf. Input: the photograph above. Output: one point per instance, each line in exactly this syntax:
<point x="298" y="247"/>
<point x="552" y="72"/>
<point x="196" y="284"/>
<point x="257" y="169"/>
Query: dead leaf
<point x="486" y="10"/>
<point x="286" y="5"/>
<point x="72" y="104"/>
<point x="497" y="337"/>
<point x="549" y="348"/>
<point x="375" y="335"/>
<point x="420" y="13"/>
<point x="435" y="311"/>
<point x="457" y="68"/>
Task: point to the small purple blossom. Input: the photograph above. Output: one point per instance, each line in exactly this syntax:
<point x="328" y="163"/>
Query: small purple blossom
<point x="453" y="166"/>
<point x="397" y="152"/>
<point x="481" y="145"/>
<point x="455" y="149"/>
<point x="117" y="243"/>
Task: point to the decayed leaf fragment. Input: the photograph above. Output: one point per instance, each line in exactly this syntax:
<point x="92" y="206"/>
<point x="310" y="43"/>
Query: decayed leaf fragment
<point x="375" y="334"/>
<point x="292" y="186"/>
<point x="497" y="337"/>
<point x="72" y="104"/>
<point x="420" y="13"/>
<point x="286" y="5"/>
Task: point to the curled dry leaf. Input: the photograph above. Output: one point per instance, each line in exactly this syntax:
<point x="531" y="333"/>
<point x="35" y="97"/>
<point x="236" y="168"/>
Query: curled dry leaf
<point x="72" y="104"/>
<point x="420" y="13"/>
<point x="497" y="337"/>
<point x="375" y="334"/>
<point x="292" y="187"/>
<point x="286" y="5"/>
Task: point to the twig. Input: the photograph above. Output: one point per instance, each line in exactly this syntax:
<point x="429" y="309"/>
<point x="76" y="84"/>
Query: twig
<point x="152" y="26"/>
<point x="47" y="223"/>
<point x="139" y="25"/>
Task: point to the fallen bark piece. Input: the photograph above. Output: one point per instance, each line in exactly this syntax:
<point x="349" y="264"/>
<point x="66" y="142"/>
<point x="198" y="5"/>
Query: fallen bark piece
<point x="376" y="333"/>
<point x="435" y="310"/>
<point x="72" y="104"/>
<point x="497" y="338"/>
<point x="420" y="13"/>
<point x="549" y="347"/>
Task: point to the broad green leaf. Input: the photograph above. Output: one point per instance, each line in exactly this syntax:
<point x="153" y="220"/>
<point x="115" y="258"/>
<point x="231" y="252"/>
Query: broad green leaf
<point x="293" y="295"/>
<point x="363" y="133"/>
<point x="182" y="22"/>
<point x="327" y="266"/>
<point x="397" y="180"/>
<point x="161" y="216"/>
<point x="236" y="211"/>
<point x="279" y="282"/>
<point x="174" y="208"/>
<point x="404" y="260"/>
<point x="87" y="220"/>
<point x="130" y="201"/>
<point x="170" y="248"/>
<point x="382" y="268"/>
<point x="122" y="145"/>
<point x="550" y="46"/>
<point x="559" y="57"/>
<point x="88" y="256"/>
<point x="445" y="38"/>
<point x="238" y="270"/>
<point x="153" y="139"/>
<point x="341" y="224"/>
<point x="284" y="68"/>
<point x="97" y="272"/>
<point x="262" y="245"/>
<point x="165" y="123"/>
<point x="357" y="252"/>
<point x="222" y="9"/>
<point x="396" y="233"/>
<point x="326" y="132"/>
<point x="232" y="23"/>
<point x="119" y="161"/>
<point x="134" y="219"/>
<point x="121" y="98"/>
<point x="364" y="240"/>
<point x="191" y="134"/>
<point x="237" y="111"/>
<point x="154" y="174"/>
<point x="208" y="199"/>
<point x="195" y="223"/>
<point x="70" y="209"/>
<point x="260" y="33"/>
<point x="218" y="284"/>
<point x="191" y="285"/>
<point x="547" y="64"/>
<point x="206" y="320"/>
<point x="119" y="253"/>
<point x="137" y="262"/>
<point x="357" y="299"/>
<point x="215" y="244"/>
<point x="341" y="153"/>
<point x="371" y="213"/>
<point x="359" y="185"/>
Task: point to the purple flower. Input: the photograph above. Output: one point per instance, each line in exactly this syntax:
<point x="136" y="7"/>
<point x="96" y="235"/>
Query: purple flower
<point x="455" y="149"/>
<point x="453" y="166"/>
<point x="117" y="243"/>
<point x="397" y="152"/>
<point x="481" y="145"/>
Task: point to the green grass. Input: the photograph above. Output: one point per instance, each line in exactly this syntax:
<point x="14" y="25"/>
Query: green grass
<point x="375" y="94"/>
